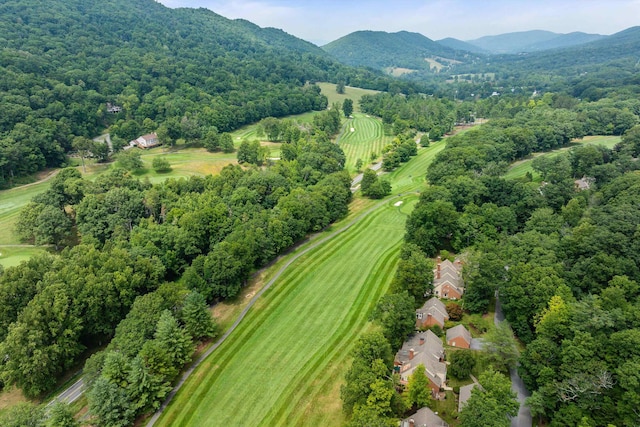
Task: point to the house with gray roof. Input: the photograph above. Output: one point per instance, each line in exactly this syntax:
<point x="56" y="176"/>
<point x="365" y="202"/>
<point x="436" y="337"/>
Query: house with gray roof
<point x="426" y="349"/>
<point x="465" y="394"/>
<point x="459" y="336"/>
<point x="433" y="312"/>
<point x="447" y="279"/>
<point x="425" y="417"/>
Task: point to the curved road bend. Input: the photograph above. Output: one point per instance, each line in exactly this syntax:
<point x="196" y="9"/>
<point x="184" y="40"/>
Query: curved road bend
<point x="268" y="285"/>
<point x="524" y="414"/>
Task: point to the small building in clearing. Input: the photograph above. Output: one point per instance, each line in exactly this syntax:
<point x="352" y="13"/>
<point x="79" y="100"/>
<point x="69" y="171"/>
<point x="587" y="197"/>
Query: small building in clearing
<point x="146" y="141"/>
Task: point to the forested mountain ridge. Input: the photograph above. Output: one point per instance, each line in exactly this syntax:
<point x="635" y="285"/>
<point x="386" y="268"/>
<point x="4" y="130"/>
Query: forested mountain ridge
<point x="379" y="49"/>
<point x="623" y="48"/>
<point x="531" y="41"/>
<point x="454" y="43"/>
<point x="189" y="69"/>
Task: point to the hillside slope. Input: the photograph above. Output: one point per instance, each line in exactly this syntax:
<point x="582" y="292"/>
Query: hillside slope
<point x="380" y="50"/>
<point x="461" y="45"/>
<point x="512" y="42"/>
<point x="61" y="62"/>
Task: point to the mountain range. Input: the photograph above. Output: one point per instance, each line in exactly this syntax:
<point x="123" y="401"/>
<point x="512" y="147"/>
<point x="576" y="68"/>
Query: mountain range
<point x="411" y="52"/>
<point x="531" y="41"/>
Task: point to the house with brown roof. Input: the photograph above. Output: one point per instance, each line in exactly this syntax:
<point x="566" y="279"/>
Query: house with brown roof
<point x="423" y="348"/>
<point x="146" y="141"/>
<point x="459" y="336"/>
<point x="447" y="279"/>
<point x="433" y="312"/>
<point x="425" y="417"/>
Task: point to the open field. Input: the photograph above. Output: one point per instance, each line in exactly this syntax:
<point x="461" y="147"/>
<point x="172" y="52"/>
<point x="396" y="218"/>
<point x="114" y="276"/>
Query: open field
<point x="398" y="71"/>
<point x="412" y="176"/>
<point x="367" y="137"/>
<point x="290" y="351"/>
<point x="11" y="201"/>
<point x="520" y="168"/>
<point x="354" y="93"/>
<point x="11" y="256"/>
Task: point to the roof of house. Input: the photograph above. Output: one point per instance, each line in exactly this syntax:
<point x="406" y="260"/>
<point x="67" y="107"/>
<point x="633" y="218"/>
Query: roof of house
<point x="425" y="417"/>
<point x="448" y="272"/>
<point x="465" y="394"/>
<point x="147" y="140"/>
<point x="435" y="308"/>
<point x="584" y="183"/>
<point x="458" y="331"/>
<point x="431" y="346"/>
<point x="427" y="350"/>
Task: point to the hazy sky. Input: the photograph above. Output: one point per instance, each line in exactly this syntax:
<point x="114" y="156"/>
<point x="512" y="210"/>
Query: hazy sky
<point x="321" y="21"/>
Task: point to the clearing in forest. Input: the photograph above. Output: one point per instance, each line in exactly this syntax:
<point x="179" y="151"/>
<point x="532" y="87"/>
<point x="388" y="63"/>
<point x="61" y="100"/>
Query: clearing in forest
<point x="520" y="168"/>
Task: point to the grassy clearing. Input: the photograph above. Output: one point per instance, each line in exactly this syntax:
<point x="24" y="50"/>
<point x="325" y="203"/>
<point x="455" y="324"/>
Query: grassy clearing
<point x="11" y="201"/>
<point x="290" y="351"/>
<point x="10" y="256"/>
<point x="10" y="397"/>
<point x="367" y="137"/>
<point x="412" y="176"/>
<point x="520" y="168"/>
<point x="354" y="93"/>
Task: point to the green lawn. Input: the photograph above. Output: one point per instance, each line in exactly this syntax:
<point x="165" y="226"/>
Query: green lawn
<point x="520" y="168"/>
<point x="367" y="137"/>
<point x="11" y="201"/>
<point x="10" y="256"/>
<point x="412" y="176"/>
<point x="291" y="350"/>
<point x="354" y="93"/>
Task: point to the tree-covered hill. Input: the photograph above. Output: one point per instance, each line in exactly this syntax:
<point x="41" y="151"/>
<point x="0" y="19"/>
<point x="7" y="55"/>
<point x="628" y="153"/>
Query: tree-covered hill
<point x="461" y="45"/>
<point x="623" y="47"/>
<point x="194" y="71"/>
<point x="531" y="41"/>
<point x="564" y="40"/>
<point x="378" y="49"/>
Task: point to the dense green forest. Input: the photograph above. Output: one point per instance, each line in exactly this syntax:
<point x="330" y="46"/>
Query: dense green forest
<point x="563" y="260"/>
<point x="379" y="50"/>
<point x="208" y="233"/>
<point x="185" y="73"/>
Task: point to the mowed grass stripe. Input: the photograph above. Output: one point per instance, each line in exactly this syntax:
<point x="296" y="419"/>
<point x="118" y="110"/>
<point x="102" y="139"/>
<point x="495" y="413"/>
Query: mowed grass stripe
<point x="368" y="137"/>
<point x="369" y="295"/>
<point x="412" y="175"/>
<point x="243" y="333"/>
<point x="250" y="324"/>
<point x="315" y="304"/>
<point x="295" y="404"/>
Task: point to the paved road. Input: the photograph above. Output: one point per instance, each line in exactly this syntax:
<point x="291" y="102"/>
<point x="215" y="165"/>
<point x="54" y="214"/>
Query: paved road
<point x="70" y="395"/>
<point x="524" y="414"/>
<point x="356" y="181"/>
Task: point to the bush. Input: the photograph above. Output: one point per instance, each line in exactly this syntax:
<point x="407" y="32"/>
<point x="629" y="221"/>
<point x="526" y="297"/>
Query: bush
<point x="462" y="363"/>
<point x="161" y="165"/>
<point x="454" y="311"/>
